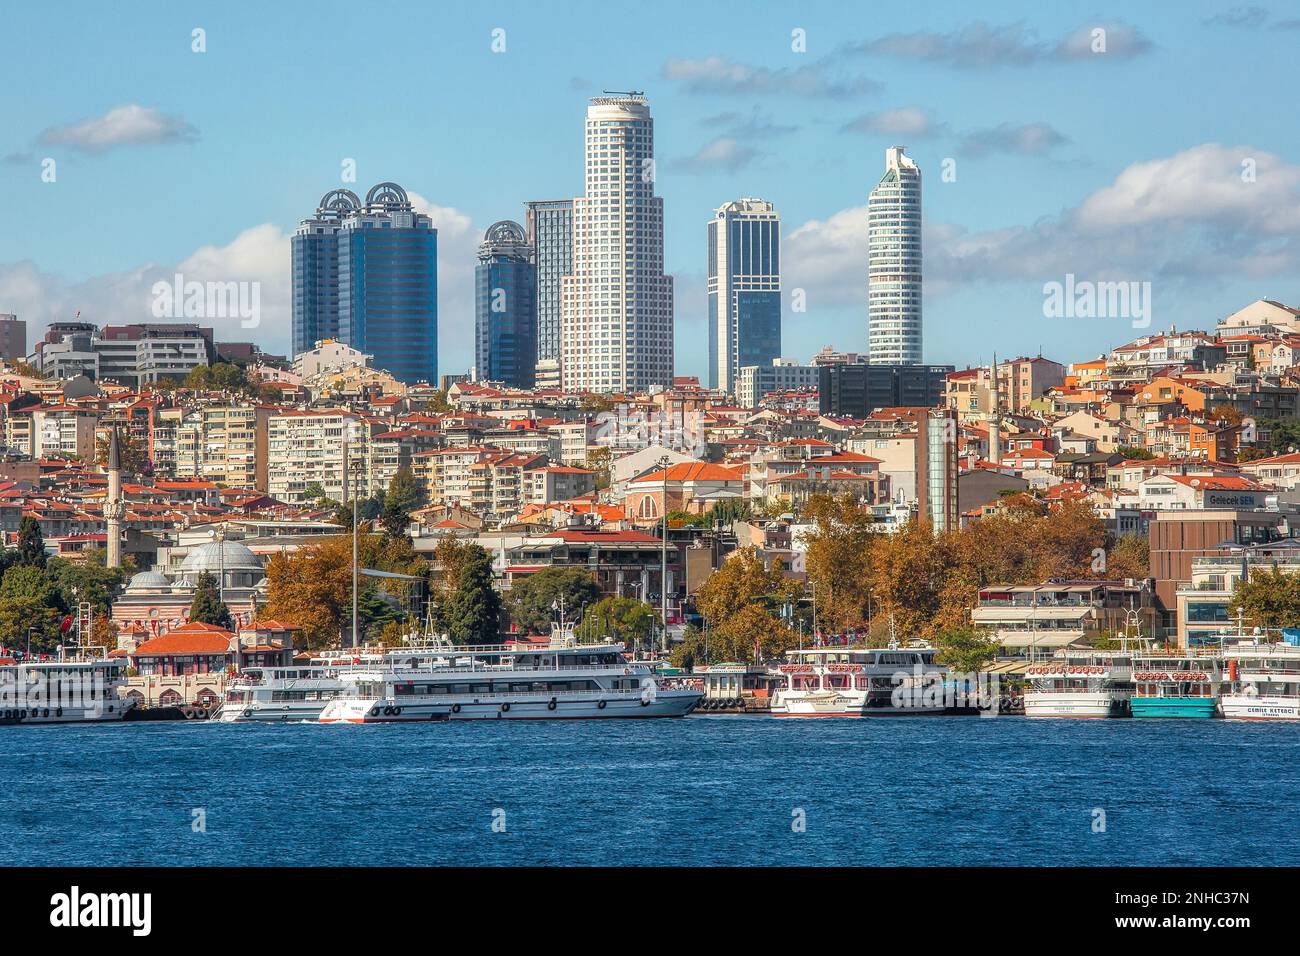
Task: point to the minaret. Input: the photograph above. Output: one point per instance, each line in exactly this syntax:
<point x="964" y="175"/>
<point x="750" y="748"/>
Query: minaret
<point x="995" y="415"/>
<point x="114" y="506"/>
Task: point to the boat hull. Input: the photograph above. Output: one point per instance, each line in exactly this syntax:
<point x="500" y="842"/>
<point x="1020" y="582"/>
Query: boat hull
<point x="1183" y="707"/>
<point x="267" y="713"/>
<point x="1048" y="704"/>
<point x="74" y="714"/>
<point x="352" y="710"/>
<point x="1242" y="707"/>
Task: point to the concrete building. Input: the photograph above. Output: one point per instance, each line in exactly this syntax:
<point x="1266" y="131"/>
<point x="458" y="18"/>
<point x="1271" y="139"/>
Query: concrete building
<point x="744" y="289"/>
<point x="617" y="327"/>
<point x="305" y="448"/>
<point x="894" y="263"/>
<point x="13" y="338"/>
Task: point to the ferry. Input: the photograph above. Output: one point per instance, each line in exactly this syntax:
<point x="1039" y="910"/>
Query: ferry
<point x="1263" y="681"/>
<point x="1080" y="682"/>
<point x="514" y="682"/>
<point x="1176" y="685"/>
<point x="279" y="694"/>
<point x="859" y="682"/>
<point x="83" y="687"/>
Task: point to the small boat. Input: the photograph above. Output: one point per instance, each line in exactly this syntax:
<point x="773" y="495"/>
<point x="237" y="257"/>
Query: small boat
<point x="1182" y="685"/>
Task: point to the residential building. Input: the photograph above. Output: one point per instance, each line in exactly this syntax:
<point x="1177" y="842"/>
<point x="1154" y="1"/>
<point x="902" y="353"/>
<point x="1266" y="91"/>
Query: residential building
<point x="779" y="375"/>
<point x="13" y="338"/>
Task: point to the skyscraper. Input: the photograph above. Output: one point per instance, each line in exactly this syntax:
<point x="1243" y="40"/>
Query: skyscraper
<point x="367" y="275"/>
<point x="550" y="232"/>
<point x="505" y="307"/>
<point x="744" y="288"/>
<point x="617" y="328"/>
<point x="894" y="263"/>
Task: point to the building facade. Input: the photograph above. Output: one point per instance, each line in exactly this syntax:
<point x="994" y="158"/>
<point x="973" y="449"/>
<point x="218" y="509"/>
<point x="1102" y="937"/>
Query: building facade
<point x="744" y="289"/>
<point x="779" y="375"/>
<point x="855" y="391"/>
<point x="549" y="225"/>
<point x="617" y="327"/>
<point x="505" y="308"/>
<point x="894" y="263"/>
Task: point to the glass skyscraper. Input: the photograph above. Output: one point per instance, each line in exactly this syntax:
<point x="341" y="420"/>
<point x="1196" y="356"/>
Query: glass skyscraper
<point x="549" y="225"/>
<point x="378" y="292"/>
<point x="505" y="308"/>
<point x="744" y="289"/>
<point x="894" y="263"/>
<point x="616" y="334"/>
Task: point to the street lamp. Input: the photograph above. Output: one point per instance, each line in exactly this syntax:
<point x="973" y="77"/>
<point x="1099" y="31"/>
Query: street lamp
<point x="664" y="462"/>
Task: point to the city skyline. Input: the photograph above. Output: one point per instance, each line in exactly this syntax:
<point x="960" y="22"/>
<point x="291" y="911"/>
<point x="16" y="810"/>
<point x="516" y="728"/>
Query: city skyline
<point x="1035" y="196"/>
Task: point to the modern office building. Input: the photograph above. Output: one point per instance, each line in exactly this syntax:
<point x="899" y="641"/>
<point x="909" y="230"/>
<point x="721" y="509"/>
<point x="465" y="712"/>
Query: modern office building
<point x="13" y="338"/>
<point x="549" y="224"/>
<point x="132" y="355"/>
<point x="744" y="289"/>
<point x="505" y="307"/>
<point x="779" y="375"/>
<point x="366" y="274"/>
<point x="617" y="328"/>
<point x="937" y="471"/>
<point x="894" y="263"/>
<point x="855" y="391"/>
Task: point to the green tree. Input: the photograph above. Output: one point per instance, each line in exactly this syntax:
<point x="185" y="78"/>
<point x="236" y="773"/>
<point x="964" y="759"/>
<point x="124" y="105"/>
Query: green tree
<point x="617" y="619"/>
<point x="965" y="649"/>
<point x="600" y="461"/>
<point x="31" y="543"/>
<point x="473" y="612"/>
<point x="741" y="601"/>
<point x="207" y="606"/>
<point x="533" y="600"/>
<point x="131" y="450"/>
<point x="1269" y="598"/>
<point x="403" y="496"/>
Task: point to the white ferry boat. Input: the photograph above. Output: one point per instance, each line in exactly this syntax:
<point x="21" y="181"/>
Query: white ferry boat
<point x="84" y="687"/>
<point x="1080" y="682"/>
<point x="279" y="693"/>
<point x="1263" y="681"/>
<point x="511" y="681"/>
<point x="859" y="682"/>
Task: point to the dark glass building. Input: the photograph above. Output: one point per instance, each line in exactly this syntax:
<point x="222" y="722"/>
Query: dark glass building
<point x="855" y="391"/>
<point x="505" y="307"/>
<point x="378" y="292"/>
<point x="744" y="289"/>
<point x="550" y="234"/>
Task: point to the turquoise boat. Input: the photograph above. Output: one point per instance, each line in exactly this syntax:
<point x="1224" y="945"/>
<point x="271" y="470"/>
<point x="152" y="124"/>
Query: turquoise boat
<point x="1183" y="687"/>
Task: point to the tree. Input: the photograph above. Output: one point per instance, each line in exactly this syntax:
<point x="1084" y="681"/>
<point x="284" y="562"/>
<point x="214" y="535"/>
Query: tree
<point x="220" y="376"/>
<point x="533" y="601"/>
<point x="473" y="612"/>
<point x="31" y="544"/>
<point x="600" y="461"/>
<point x="691" y="651"/>
<point x="618" y="619"/>
<point x="207" y="606"/>
<point x="403" y="496"/>
<point x="312" y="588"/>
<point x="131" y="449"/>
<point x="313" y="492"/>
<point x="1133" y="453"/>
<point x="740" y="601"/>
<point x="438" y="403"/>
<point x="838" y="560"/>
<point x="1129" y="556"/>
<point x="965" y="650"/>
<point x="1269" y="598"/>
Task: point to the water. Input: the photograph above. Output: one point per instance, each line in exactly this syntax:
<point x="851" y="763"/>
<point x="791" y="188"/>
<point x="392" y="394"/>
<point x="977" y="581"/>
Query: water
<point x="699" y="791"/>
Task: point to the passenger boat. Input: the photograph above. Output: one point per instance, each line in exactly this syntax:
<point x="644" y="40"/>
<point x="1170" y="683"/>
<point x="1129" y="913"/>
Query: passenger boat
<point x="82" y="687"/>
<point x="859" y="682"/>
<point x="1263" y="681"/>
<point x="279" y="694"/>
<point x="1185" y="685"/>
<point x="1080" y="682"/>
<point x="559" y="680"/>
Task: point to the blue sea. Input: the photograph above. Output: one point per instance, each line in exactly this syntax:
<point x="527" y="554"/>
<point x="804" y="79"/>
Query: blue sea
<point x="699" y="791"/>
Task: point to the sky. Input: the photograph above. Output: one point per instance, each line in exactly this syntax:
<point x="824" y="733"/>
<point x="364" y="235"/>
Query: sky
<point x="1170" y="157"/>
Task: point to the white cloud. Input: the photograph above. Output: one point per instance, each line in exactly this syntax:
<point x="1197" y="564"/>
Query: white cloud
<point x="1029" y="139"/>
<point x="911" y="121"/>
<point x="721" y="75"/>
<point x="980" y="46"/>
<point x="722" y="153"/>
<point x="130" y="124"/>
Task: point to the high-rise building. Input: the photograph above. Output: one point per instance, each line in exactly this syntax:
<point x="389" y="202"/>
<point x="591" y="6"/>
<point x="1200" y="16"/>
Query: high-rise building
<point x="937" y="470"/>
<point x="13" y="337"/>
<point x="744" y="288"/>
<point x="549" y="223"/>
<point x="894" y="263"/>
<point x="505" y="307"/>
<point x="616" y="333"/>
<point x="855" y="391"/>
<point x="366" y="273"/>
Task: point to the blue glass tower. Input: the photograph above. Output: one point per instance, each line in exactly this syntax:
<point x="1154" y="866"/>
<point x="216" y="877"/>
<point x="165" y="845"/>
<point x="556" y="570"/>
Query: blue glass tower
<point x="744" y="289"/>
<point x="378" y="291"/>
<point x="505" y="302"/>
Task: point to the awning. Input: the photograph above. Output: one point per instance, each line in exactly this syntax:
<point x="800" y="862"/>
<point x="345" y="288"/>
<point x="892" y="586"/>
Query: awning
<point x="1033" y="639"/>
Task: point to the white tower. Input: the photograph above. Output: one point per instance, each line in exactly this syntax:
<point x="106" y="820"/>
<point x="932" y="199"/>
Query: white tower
<point x="616" y="332"/>
<point x="894" y="263"/>
<point x="114" y="506"/>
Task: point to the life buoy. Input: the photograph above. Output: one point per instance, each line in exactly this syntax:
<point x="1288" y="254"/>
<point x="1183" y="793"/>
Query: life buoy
<point x="455" y="708"/>
<point x="600" y="704"/>
<point x="626" y="671"/>
<point x="552" y="704"/>
<point x="388" y="711"/>
<point x="505" y="708"/>
<point x="644" y="702"/>
<point x="397" y="711"/>
<point x="58" y="712"/>
<point x="374" y="711"/>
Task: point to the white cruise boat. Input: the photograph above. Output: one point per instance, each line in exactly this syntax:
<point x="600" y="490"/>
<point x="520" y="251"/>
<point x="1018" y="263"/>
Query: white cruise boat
<point x="80" y="688"/>
<point x="859" y="682"/>
<point x="1263" y="681"/>
<point x="279" y="693"/>
<point x="559" y="680"/>
<point x="1080" y="682"/>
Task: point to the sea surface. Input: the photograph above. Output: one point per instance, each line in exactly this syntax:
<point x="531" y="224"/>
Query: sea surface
<point x="698" y="791"/>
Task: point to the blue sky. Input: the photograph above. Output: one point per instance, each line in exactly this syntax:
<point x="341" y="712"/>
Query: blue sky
<point x="1119" y="165"/>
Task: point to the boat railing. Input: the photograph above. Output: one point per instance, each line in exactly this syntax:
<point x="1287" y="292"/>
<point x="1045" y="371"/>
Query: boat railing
<point x="628" y="670"/>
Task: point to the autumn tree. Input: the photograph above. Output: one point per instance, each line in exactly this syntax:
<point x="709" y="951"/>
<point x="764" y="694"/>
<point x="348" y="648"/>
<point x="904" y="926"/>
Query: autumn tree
<point x="312" y="588"/>
<point x="131" y="449"/>
<point x="535" y="601"/>
<point x="838" y="560"/>
<point x="741" y="601"/>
